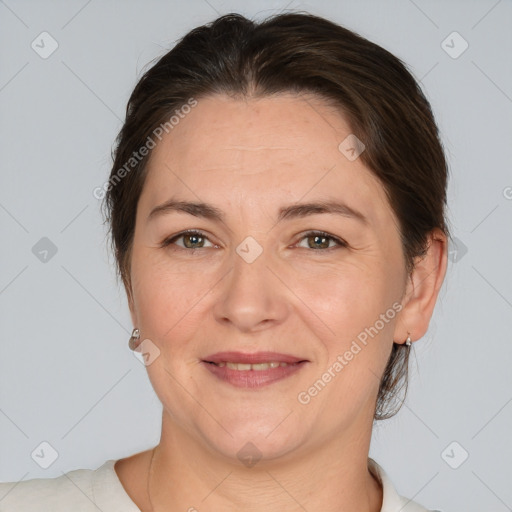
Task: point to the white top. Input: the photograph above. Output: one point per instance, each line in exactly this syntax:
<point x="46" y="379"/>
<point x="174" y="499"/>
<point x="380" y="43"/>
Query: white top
<point x="89" y="490"/>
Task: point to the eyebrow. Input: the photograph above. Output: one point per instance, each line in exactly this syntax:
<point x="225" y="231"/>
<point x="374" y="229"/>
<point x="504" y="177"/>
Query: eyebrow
<point x="293" y="211"/>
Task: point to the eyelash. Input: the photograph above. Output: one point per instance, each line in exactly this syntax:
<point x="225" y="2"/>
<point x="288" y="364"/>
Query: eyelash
<point x="341" y="243"/>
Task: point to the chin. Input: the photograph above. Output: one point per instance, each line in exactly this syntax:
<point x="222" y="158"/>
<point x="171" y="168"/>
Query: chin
<point x="257" y="441"/>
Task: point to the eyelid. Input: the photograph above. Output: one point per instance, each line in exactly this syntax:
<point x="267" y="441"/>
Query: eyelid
<point x="339" y="241"/>
<point x="170" y="240"/>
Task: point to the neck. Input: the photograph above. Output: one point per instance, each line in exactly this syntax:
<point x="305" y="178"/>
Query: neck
<point x="332" y="477"/>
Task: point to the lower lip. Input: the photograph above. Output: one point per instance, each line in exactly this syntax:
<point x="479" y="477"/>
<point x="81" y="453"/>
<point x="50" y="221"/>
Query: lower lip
<point x="253" y="378"/>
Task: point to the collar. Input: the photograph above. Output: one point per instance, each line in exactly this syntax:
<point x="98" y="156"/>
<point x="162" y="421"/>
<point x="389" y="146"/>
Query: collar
<point x="391" y="500"/>
<point x="110" y="495"/>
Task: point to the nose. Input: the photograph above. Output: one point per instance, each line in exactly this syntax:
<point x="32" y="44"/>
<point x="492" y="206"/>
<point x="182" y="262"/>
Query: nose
<point x="251" y="298"/>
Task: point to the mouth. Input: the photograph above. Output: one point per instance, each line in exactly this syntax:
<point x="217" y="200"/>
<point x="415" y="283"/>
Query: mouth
<point x="252" y="370"/>
<point x="256" y="367"/>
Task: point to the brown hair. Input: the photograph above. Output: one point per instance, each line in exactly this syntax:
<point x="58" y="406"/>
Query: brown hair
<point x="295" y="52"/>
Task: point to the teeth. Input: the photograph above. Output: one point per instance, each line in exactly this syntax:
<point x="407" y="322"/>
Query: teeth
<point x="256" y="367"/>
<point x="238" y="366"/>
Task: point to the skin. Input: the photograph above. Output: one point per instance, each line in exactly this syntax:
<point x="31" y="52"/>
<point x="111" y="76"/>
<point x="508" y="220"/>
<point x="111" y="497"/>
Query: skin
<point x="248" y="158"/>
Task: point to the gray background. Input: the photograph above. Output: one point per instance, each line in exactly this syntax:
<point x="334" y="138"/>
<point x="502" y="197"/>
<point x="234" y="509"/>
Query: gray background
<point x="67" y="376"/>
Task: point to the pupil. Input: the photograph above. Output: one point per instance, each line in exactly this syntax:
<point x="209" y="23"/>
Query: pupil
<point x="320" y="240"/>
<point x="193" y="238"/>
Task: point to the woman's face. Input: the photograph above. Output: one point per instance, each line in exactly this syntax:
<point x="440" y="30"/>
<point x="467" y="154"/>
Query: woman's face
<point x="255" y="279"/>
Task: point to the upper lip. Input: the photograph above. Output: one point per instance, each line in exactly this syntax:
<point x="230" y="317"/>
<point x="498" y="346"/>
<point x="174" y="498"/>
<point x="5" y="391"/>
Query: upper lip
<point x="254" y="358"/>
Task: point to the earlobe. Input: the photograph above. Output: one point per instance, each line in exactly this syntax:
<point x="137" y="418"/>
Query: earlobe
<point x="423" y="288"/>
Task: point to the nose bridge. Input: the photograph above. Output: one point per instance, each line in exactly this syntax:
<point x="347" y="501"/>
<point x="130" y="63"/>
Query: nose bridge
<point x="250" y="272"/>
<point x="250" y="294"/>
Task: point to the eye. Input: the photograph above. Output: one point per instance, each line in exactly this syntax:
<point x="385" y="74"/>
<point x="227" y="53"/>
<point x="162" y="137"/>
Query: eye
<point x="192" y="240"/>
<point x="319" y="240"/>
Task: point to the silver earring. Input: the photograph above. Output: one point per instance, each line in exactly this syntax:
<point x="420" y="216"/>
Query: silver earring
<point x="408" y="340"/>
<point x="134" y="339"/>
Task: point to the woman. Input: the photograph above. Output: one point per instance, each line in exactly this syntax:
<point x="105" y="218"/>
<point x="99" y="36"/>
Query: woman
<point x="277" y="210"/>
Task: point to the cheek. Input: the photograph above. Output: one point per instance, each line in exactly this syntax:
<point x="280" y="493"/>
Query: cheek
<point x="344" y="295"/>
<point x="168" y="298"/>
<point x="355" y="308"/>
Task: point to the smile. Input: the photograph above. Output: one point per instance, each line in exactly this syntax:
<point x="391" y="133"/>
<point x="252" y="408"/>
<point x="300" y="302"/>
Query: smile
<point x="256" y="367"/>
<point x="253" y="375"/>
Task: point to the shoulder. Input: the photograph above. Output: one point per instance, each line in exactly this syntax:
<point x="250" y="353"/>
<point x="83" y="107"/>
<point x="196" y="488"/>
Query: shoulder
<point x="407" y="505"/>
<point x="56" y="494"/>
<point x="391" y="500"/>
<point x="80" y="490"/>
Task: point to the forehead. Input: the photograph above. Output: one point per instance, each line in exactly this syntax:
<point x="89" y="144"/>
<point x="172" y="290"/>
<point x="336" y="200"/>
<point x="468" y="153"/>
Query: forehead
<point x="268" y="150"/>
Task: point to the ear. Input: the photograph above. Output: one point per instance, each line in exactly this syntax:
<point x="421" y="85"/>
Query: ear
<point x="129" y="296"/>
<point x="132" y="309"/>
<point x="124" y="272"/>
<point x="422" y="289"/>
